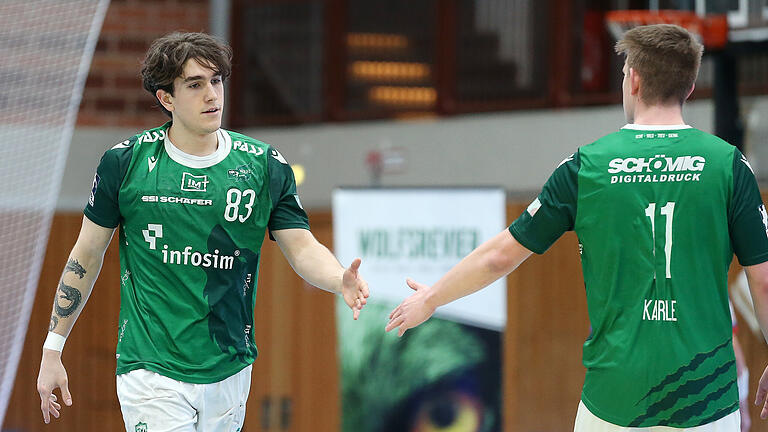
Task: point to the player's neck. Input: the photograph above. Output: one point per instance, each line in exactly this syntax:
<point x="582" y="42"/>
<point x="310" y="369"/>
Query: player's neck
<point x="192" y="143"/>
<point x="658" y="114"/>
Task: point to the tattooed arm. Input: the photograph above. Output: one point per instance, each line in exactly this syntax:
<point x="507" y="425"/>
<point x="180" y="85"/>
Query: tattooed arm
<point x="73" y="290"/>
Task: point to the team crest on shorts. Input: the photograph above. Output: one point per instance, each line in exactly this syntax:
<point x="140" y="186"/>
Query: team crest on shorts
<point x="141" y="427"/>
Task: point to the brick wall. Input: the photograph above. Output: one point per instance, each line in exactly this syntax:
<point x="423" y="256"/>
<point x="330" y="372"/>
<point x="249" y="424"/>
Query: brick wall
<point x="113" y="93"/>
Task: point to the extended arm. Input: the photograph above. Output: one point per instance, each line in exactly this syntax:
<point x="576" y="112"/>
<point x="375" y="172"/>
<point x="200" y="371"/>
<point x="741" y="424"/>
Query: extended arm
<point x="73" y="290"/>
<point x="491" y="260"/>
<point x="317" y="265"/>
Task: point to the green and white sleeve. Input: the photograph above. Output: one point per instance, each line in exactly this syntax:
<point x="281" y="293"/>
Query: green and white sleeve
<point x="553" y="212"/>
<point x="747" y="217"/>
<point x="287" y="211"/>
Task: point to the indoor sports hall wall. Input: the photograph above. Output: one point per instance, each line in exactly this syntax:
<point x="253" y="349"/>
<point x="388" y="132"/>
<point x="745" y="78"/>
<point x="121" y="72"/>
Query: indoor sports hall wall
<point x="295" y="379"/>
<point x="113" y="93"/>
<point x="515" y="150"/>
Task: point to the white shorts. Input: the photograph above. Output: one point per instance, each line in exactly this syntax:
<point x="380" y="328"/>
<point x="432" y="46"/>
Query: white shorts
<point x="588" y="422"/>
<point x="151" y="402"/>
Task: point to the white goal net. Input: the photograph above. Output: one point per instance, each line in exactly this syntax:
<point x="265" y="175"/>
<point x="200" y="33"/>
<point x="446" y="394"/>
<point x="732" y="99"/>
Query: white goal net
<point x="46" y="48"/>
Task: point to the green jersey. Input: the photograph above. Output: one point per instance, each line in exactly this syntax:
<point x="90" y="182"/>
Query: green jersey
<point x="191" y="229"/>
<point x="659" y="212"/>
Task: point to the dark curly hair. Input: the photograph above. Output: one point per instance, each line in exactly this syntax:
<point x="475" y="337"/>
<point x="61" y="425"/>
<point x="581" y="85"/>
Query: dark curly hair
<point x="166" y="56"/>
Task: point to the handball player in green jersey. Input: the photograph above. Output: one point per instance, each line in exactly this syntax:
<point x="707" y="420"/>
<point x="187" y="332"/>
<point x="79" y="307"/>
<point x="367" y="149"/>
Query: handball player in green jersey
<point x="659" y="209"/>
<point x="193" y="203"/>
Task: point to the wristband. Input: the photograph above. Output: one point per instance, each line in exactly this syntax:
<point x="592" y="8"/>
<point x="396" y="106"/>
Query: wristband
<point x="54" y="341"/>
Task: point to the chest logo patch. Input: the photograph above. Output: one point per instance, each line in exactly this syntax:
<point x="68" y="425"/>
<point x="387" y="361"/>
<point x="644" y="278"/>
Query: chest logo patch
<point x="241" y="173"/>
<point x="193" y="183"/>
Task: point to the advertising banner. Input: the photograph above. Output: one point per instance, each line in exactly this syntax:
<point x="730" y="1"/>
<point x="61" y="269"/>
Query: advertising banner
<point x="444" y="375"/>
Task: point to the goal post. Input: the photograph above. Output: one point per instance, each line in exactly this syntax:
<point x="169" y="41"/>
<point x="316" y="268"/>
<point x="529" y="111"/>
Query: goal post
<point x="46" y="48"/>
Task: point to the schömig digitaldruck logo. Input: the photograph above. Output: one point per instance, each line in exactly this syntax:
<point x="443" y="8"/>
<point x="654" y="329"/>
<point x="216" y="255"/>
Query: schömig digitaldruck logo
<point x="656" y="169"/>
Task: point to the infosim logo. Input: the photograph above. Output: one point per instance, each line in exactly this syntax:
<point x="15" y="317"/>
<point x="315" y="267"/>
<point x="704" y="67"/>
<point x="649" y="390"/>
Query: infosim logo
<point x="187" y="256"/>
<point x="657" y="164"/>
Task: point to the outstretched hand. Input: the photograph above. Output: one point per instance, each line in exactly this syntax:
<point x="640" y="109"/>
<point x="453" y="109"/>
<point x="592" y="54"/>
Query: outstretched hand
<point x="52" y="375"/>
<point x="354" y="288"/>
<point x="412" y="311"/>
<point x="762" y="393"/>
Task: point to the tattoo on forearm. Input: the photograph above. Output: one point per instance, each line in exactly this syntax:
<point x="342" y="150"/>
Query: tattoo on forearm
<point x="67" y="293"/>
<point x="54" y="323"/>
<point x="75" y="267"/>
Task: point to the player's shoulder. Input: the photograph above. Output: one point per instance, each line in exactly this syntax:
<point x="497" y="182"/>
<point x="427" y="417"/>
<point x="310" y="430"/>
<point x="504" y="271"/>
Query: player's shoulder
<point x="122" y="152"/>
<point x="714" y="142"/>
<point x="145" y="138"/>
<point x="608" y="140"/>
<point x="712" y="148"/>
<point x="246" y="144"/>
<point x="154" y="136"/>
<point x="243" y="137"/>
<point x="570" y="162"/>
<point x="603" y="145"/>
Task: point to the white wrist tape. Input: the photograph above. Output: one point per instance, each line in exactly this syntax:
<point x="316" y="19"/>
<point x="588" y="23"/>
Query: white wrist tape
<point x="54" y="341"/>
<point x="743" y="384"/>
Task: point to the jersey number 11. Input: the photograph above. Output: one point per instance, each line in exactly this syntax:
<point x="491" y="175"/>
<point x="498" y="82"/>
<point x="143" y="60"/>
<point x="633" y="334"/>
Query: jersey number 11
<point x="669" y="212"/>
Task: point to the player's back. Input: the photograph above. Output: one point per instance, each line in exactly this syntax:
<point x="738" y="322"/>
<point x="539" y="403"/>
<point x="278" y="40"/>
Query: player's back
<point x="653" y="225"/>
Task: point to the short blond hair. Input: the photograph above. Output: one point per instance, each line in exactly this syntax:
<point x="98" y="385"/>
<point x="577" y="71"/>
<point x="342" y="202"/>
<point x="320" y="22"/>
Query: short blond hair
<point x="667" y="58"/>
